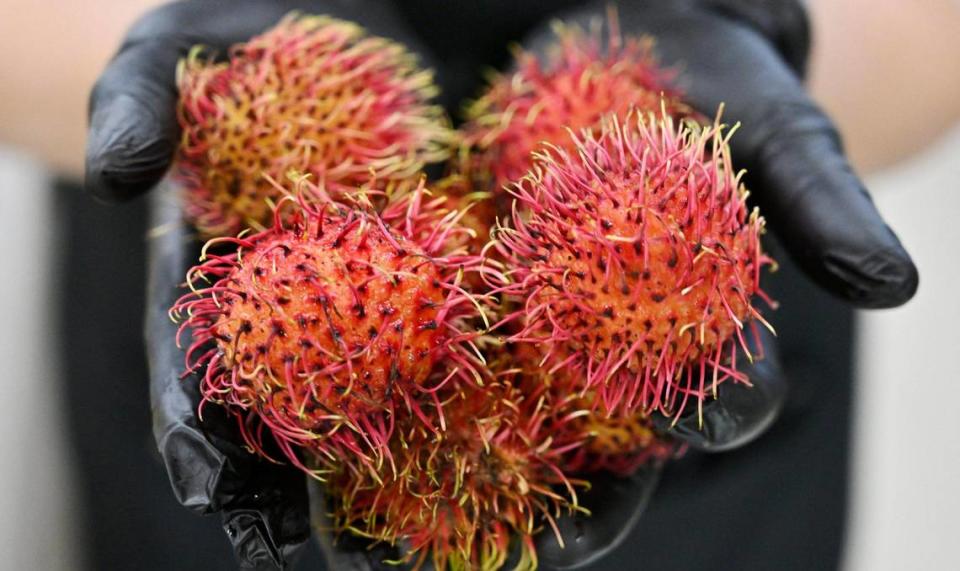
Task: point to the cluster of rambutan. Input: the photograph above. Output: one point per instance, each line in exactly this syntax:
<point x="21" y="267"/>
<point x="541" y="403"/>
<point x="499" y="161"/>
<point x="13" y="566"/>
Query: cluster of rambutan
<point x="449" y="375"/>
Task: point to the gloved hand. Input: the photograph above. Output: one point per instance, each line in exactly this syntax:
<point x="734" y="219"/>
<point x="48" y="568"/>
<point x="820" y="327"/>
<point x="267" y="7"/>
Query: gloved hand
<point x="132" y="135"/>
<point x="133" y="128"/>
<point x="750" y="55"/>
<point x="739" y="414"/>
<point x="264" y="505"/>
<point x="789" y="147"/>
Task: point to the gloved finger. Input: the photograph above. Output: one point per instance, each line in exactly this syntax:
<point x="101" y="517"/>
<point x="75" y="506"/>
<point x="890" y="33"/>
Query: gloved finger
<point x="269" y="522"/>
<point x="795" y="163"/>
<point x="264" y="504"/>
<point x="346" y="551"/>
<point x="616" y="505"/>
<point x="133" y="128"/>
<point x="192" y="459"/>
<point x="741" y="412"/>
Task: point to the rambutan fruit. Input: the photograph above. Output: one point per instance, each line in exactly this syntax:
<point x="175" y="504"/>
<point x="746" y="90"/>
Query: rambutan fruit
<point x="593" y="441"/>
<point x="314" y="95"/>
<point x="317" y="329"/>
<point x="634" y="260"/>
<point x="477" y="207"/>
<point x="619" y="444"/>
<point x="465" y="497"/>
<point x="579" y="80"/>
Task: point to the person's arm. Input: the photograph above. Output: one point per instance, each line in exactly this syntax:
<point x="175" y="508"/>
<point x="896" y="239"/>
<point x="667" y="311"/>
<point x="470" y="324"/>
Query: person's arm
<point x="889" y="75"/>
<point x="53" y="52"/>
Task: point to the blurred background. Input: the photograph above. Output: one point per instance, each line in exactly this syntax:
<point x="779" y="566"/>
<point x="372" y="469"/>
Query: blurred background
<point x="888" y="71"/>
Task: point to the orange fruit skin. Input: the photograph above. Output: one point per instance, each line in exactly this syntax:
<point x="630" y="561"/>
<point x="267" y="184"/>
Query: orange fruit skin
<point x="347" y="312"/>
<point x="458" y="498"/>
<point x="323" y="329"/>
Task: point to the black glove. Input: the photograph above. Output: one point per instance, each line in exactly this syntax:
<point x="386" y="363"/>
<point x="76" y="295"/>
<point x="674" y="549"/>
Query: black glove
<point x="750" y="55"/>
<point x="727" y="52"/>
<point x="739" y="414"/>
<point x="264" y="505"/>
<point x="133" y="133"/>
<point x="133" y="127"/>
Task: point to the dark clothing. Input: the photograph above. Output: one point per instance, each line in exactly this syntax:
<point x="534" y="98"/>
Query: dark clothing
<point x="130" y="517"/>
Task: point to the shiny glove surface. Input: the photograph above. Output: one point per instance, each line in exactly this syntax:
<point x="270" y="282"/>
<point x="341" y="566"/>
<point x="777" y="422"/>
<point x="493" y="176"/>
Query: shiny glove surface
<point x="263" y="505"/>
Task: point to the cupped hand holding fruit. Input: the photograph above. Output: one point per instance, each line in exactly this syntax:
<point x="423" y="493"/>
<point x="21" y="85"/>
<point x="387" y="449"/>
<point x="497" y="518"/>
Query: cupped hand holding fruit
<point x="264" y="504"/>
<point x="133" y="134"/>
<point x="798" y="173"/>
<point x="750" y="57"/>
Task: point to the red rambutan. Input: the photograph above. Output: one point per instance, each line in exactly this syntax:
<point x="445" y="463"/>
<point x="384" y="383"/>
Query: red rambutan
<point x="463" y="495"/>
<point x="313" y="95"/>
<point x="634" y="260"/>
<point x="593" y="441"/>
<point x="319" y="328"/>
<point x="619" y="444"/>
<point x="579" y="81"/>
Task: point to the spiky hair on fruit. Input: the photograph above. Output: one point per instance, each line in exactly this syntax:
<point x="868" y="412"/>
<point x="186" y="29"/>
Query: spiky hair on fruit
<point x="593" y="441"/>
<point x="634" y="260"/>
<point x="477" y="207"/>
<point x="462" y="497"/>
<point x="316" y="330"/>
<point x="314" y="95"/>
<point x="619" y="444"/>
<point x="452" y="196"/>
<point x="578" y="79"/>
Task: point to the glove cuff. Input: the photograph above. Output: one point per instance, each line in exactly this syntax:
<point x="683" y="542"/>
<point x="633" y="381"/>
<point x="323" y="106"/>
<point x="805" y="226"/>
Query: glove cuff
<point x="783" y="22"/>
